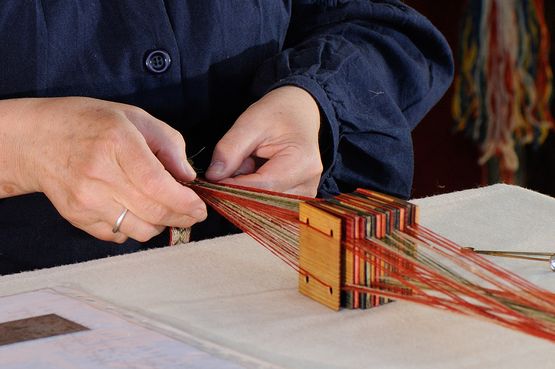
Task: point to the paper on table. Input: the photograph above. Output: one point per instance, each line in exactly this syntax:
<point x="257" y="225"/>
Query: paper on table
<point x="109" y="342"/>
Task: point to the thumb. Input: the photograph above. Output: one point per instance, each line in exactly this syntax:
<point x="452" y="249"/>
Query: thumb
<point x="231" y="151"/>
<point x="166" y="143"/>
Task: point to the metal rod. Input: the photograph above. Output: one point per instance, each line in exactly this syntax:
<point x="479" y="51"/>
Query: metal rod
<point x="526" y="255"/>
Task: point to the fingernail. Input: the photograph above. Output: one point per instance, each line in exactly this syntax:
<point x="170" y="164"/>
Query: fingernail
<point x="189" y="169"/>
<point x="216" y="168"/>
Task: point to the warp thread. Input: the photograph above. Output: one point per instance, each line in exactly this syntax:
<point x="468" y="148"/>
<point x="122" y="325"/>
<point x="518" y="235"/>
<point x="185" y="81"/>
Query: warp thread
<point x="390" y="256"/>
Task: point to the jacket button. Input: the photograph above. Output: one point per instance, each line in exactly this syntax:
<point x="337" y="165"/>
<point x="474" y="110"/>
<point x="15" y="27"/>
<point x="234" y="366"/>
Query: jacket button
<point x="158" y="61"/>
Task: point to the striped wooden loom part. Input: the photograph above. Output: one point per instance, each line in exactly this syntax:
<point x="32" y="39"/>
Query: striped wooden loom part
<point x="364" y="249"/>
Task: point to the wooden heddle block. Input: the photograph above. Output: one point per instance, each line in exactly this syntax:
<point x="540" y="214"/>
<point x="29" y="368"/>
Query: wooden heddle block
<point x="320" y="256"/>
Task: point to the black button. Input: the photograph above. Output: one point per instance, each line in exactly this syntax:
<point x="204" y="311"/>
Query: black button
<point x="158" y="61"/>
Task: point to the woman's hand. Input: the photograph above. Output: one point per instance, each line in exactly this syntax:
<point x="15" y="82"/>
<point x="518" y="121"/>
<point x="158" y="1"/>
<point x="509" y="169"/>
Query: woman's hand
<point x="93" y="159"/>
<point x="273" y="145"/>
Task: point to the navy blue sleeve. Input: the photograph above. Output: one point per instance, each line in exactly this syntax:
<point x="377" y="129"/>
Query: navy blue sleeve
<point x="375" y="68"/>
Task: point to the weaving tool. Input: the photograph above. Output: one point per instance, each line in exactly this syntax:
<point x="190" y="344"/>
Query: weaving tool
<point x="331" y="229"/>
<point x="525" y="255"/>
<point x="364" y="249"/>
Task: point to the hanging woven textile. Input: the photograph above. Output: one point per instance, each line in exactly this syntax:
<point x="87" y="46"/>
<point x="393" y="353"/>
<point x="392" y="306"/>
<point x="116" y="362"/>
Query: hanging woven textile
<point x="363" y="249"/>
<point x="504" y="82"/>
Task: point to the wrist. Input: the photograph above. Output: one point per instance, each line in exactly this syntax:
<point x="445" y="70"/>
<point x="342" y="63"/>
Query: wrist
<point x="304" y="103"/>
<point x="17" y="141"/>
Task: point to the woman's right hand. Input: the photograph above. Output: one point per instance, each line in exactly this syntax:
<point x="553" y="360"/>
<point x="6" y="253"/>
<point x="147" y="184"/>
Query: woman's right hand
<point x="93" y="159"/>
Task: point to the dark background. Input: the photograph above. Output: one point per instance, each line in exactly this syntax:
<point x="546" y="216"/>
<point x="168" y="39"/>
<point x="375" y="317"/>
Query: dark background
<point x="446" y="160"/>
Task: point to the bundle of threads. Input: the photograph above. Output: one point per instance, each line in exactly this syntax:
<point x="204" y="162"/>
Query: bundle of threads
<point x="504" y="83"/>
<point x="384" y="255"/>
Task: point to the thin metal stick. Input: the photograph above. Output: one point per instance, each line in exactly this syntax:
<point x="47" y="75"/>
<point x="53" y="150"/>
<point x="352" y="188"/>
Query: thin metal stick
<point x="526" y="255"/>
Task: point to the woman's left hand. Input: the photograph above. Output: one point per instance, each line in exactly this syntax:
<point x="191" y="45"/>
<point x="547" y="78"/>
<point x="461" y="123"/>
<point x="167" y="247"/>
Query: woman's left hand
<point x="273" y="145"/>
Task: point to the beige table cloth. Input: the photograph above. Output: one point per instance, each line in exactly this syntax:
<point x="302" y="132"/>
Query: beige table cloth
<point x="234" y="293"/>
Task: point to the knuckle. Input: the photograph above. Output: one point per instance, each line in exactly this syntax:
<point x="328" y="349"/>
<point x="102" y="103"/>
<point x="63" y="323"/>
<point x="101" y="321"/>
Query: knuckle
<point x="133" y="109"/>
<point x="142" y="231"/>
<point x="187" y="222"/>
<point x="314" y="167"/>
<point x="176" y="136"/>
<point x="226" y="148"/>
<point x="138" y="116"/>
<point x="317" y="170"/>
<point x="134" y="113"/>
<point x="119" y="238"/>
<point x="203" y="216"/>
<point x="108" y="235"/>
<point x="113" y="136"/>
<point x="81" y="199"/>
<point x="199" y="214"/>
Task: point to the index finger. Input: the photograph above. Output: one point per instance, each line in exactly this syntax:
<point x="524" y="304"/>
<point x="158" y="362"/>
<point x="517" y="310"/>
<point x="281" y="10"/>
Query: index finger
<point x="149" y="176"/>
<point x="281" y="173"/>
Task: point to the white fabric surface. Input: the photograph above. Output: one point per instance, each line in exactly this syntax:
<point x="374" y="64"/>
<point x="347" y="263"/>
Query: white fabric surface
<point x="233" y="292"/>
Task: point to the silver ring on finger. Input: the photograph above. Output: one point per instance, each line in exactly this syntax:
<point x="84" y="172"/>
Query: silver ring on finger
<point x="118" y="222"/>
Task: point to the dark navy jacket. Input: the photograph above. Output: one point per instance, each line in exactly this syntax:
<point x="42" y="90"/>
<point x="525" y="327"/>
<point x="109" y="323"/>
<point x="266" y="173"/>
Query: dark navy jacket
<point x="374" y="67"/>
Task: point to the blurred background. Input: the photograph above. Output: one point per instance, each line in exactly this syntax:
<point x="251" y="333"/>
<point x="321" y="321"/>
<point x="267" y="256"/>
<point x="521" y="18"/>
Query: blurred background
<point x="499" y="111"/>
